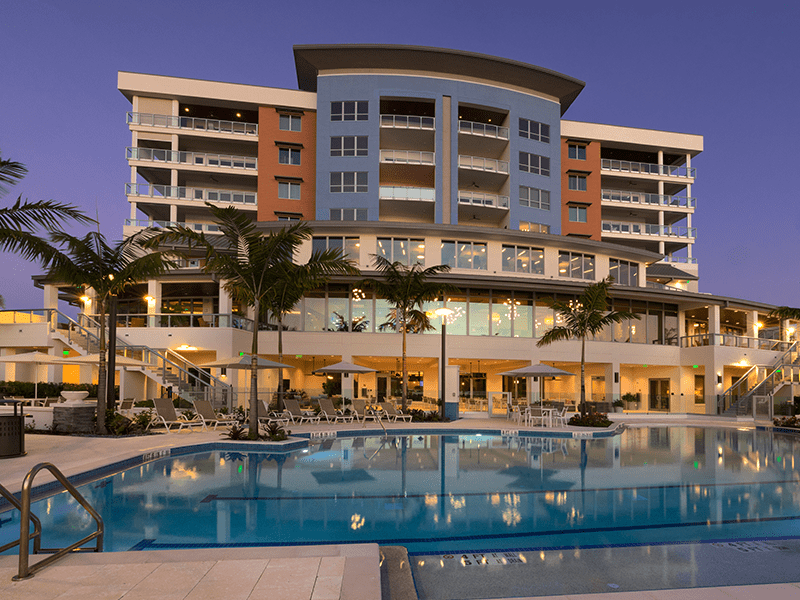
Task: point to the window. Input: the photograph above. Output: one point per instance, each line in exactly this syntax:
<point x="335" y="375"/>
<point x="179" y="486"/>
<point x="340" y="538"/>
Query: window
<point x="577" y="214"/>
<point x="348" y="214"/>
<point x="521" y="259"/>
<point x="533" y="163"/>
<point x="348" y="182"/>
<point x="289" y="156"/>
<point x="403" y="250"/>
<point x="288" y="190"/>
<point x="533" y="197"/>
<point x="349" y="145"/>
<point x="288" y="217"/>
<point x="624" y="272"/>
<point x="534" y="227"/>
<point x="289" y="123"/>
<point x="350" y="111"/>
<point x="533" y="130"/>
<point x="348" y="245"/>
<point x="464" y="255"/>
<point x="577" y="182"/>
<point x="574" y="264"/>
<point x="577" y="151"/>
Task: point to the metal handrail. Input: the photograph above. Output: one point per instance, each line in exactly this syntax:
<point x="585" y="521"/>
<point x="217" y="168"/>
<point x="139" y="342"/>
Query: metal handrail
<point x="37" y="524"/>
<point x="25" y="569"/>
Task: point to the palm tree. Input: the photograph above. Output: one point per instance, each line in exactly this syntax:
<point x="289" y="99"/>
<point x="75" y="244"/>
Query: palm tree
<point x="785" y="312"/>
<point x="588" y="316"/>
<point x="91" y="262"/>
<point x="407" y="289"/>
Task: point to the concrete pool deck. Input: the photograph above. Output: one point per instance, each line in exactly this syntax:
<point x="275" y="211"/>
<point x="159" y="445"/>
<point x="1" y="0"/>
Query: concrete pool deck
<point x="353" y="571"/>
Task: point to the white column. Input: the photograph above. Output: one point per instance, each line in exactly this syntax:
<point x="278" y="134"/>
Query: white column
<point x="713" y="318"/>
<point x="347" y="379"/>
<point x="752" y="323"/>
<point x="154" y="305"/>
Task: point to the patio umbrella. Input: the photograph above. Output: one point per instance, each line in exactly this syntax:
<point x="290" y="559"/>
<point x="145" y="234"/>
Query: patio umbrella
<point x="540" y="370"/>
<point x="343" y="367"/>
<point x="32" y="358"/>
<point x="244" y="362"/>
<point x="94" y="359"/>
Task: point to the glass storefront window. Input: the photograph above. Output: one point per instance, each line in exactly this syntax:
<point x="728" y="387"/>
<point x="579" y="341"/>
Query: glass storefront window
<point x="314" y="311"/>
<point x="338" y="311"/>
<point x="478" y="312"/>
<point x="503" y="312"/>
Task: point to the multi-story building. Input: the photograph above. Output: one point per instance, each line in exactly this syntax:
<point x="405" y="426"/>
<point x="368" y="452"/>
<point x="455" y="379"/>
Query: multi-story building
<point x="437" y="157"/>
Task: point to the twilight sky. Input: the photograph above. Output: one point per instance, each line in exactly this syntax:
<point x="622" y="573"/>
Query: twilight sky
<point x="725" y="70"/>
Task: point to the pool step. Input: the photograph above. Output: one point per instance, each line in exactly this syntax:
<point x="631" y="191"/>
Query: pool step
<point x="397" y="582"/>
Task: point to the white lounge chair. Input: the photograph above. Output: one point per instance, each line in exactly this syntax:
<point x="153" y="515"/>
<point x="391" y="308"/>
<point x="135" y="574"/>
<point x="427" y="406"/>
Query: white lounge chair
<point x="268" y="417"/>
<point x="363" y="413"/>
<point x="296" y="414"/>
<point x="165" y="413"/>
<point x="393" y="413"/>
<point x="331" y="413"/>
<point x="209" y="416"/>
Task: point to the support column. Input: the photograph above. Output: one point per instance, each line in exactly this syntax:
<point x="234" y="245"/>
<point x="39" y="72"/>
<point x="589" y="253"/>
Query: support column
<point x="225" y="307"/>
<point x="613" y="386"/>
<point x="153" y="303"/>
<point x="713" y="323"/>
<point x="752" y="321"/>
<point x="347" y="379"/>
<point x="447" y="193"/>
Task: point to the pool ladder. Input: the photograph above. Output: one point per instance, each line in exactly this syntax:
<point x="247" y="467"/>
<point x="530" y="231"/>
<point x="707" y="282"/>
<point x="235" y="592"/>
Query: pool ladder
<point x="25" y="535"/>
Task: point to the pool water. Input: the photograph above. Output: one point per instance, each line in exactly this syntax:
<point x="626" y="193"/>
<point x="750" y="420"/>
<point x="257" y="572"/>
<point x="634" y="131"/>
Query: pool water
<point x="439" y="494"/>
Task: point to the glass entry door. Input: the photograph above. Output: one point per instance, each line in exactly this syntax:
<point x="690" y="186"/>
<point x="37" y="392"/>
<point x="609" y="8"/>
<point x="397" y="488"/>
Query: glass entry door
<point x="659" y="394"/>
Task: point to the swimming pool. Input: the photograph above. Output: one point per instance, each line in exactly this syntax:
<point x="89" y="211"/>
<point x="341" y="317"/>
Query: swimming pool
<point x="450" y="493"/>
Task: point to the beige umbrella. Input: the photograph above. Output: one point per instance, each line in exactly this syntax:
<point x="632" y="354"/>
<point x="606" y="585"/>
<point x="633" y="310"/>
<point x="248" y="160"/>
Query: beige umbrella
<point x="244" y="362"/>
<point x="94" y="359"/>
<point x="541" y="371"/>
<point x="32" y="358"/>
<point x="343" y="367"/>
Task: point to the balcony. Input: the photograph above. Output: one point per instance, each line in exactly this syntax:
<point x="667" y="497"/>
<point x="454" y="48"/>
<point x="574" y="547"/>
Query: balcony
<point x="478" y="199"/>
<point x="408" y="122"/>
<point x="646" y="229"/>
<point x="194" y="159"/>
<point x="649" y="200"/>
<point x="483" y="130"/>
<point x="203" y="227"/>
<point x="687" y="260"/>
<point x="212" y="125"/>
<point x="478" y="163"/>
<point x="734" y="341"/>
<point x="216" y="320"/>
<point x="388" y="192"/>
<point x="407" y="157"/>
<point x="167" y="192"/>
<point x="624" y="166"/>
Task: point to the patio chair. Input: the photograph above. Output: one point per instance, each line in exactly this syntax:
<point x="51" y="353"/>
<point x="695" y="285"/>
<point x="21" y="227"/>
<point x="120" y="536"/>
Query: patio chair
<point x="165" y="413"/>
<point x="208" y="415"/>
<point x="296" y="415"/>
<point x="533" y="414"/>
<point x="560" y="414"/>
<point x="268" y="417"/>
<point x="392" y="413"/>
<point x="330" y="412"/>
<point x="125" y="406"/>
<point x="363" y="413"/>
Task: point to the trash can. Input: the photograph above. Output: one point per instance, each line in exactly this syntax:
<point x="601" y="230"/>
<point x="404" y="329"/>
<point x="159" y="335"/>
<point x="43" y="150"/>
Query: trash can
<point x="12" y="431"/>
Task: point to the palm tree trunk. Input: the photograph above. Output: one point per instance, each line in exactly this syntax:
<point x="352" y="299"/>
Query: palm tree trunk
<point x="101" y="371"/>
<point x="253" y="431"/>
<point x="405" y="372"/>
<point x="280" y="359"/>
<point x="583" y="377"/>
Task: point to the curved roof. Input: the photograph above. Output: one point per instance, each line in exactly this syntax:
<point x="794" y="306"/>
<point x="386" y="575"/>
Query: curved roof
<point x="311" y="59"/>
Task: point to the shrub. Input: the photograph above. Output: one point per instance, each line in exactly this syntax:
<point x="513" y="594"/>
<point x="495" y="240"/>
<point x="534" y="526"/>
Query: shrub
<point x="276" y="433"/>
<point x="787" y="422"/>
<point x="590" y="420"/>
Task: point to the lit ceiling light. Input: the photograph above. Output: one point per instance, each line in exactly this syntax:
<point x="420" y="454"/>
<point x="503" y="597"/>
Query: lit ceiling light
<point x="186" y="109"/>
<point x="186" y="347"/>
<point x="239" y="115"/>
<point x="86" y="300"/>
<point x="150" y="301"/>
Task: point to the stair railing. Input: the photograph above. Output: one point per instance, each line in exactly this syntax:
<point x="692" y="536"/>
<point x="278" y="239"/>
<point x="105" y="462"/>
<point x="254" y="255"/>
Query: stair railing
<point x="761" y="381"/>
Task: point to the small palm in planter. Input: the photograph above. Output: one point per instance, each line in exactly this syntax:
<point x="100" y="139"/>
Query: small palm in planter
<point x="618" y="406"/>
<point x="632" y="400"/>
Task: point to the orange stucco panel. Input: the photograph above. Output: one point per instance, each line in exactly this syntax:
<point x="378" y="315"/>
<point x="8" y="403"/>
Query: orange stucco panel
<point x="590" y="198"/>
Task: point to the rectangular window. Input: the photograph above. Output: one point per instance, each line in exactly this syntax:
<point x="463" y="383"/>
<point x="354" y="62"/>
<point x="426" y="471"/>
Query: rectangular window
<point x="403" y="250"/>
<point x="576" y="265"/>
<point x="349" y="145"/>
<point x="521" y="259"/>
<point x="350" y="111"/>
<point x="289" y="156"/>
<point x="534" y="227"/>
<point x="348" y="245"/>
<point x="533" y="163"/>
<point x="577" y="151"/>
<point x="533" y="130"/>
<point x="464" y="255"/>
<point x="533" y="197"/>
<point x="348" y="214"/>
<point x="624" y="272"/>
<point x="289" y="123"/>
<point x="577" y="182"/>
<point x="288" y="190"/>
<point x="349" y="182"/>
<point x="291" y="218"/>
<point x="577" y="214"/>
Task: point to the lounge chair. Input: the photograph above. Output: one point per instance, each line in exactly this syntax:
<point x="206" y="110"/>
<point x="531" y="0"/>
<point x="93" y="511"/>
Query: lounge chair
<point x="363" y="413"/>
<point x="296" y="414"/>
<point x="392" y="413"/>
<point x="165" y="413"/>
<point x="268" y="417"/>
<point x="328" y="411"/>
<point x="209" y="416"/>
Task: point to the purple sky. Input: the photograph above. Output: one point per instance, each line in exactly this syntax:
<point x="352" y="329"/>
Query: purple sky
<point x="724" y="70"/>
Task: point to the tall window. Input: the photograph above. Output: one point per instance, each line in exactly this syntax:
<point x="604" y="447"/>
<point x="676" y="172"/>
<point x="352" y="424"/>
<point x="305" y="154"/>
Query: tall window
<point x="624" y="272"/>
<point x="289" y="156"/>
<point x="576" y="265"/>
<point x="576" y="151"/>
<point x="404" y="250"/>
<point x="349" y="182"/>
<point x="288" y="190"/>
<point x="349" y="145"/>
<point x="577" y="182"/>
<point x="348" y="245"/>
<point x="464" y="255"/>
<point x="577" y="214"/>
<point x="533" y="197"/>
<point x="350" y="111"/>
<point x="533" y="163"/>
<point x="348" y="214"/>
<point x="534" y="227"/>
<point x="522" y="259"/>
<point x="289" y="123"/>
<point x="533" y="130"/>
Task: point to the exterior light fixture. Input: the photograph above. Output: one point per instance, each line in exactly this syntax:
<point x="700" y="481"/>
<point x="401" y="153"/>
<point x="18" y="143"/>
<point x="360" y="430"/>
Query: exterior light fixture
<point x="86" y="300"/>
<point x="151" y="302"/>
<point x="186" y="347"/>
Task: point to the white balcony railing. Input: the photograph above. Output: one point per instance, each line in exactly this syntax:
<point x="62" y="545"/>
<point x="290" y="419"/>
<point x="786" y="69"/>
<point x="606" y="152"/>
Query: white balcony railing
<point x="171" y="122"/>
<point x="407" y="157"/>
<point x="624" y="166"/>
<point x="190" y="193"/>
<point x="625" y="197"/>
<point x="649" y="230"/>
<point x="687" y="260"/>
<point x="204" y="227"/>
<point x="389" y="192"/>
<point x="478" y="163"/>
<point x="477" y="199"/>
<point x="198" y="159"/>
<point x="483" y="129"/>
<point x="408" y="122"/>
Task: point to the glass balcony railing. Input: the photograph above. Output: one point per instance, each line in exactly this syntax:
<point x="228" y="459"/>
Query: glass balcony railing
<point x="478" y="199"/>
<point x="624" y="166"/>
<point x="198" y="159"/>
<point x="688" y="260"/>
<point x="734" y="341"/>
<point x="170" y="122"/>
<point x="184" y="320"/>
<point x="648" y="229"/>
<point x="478" y="163"/>
<point x="389" y="192"/>
<point x="190" y="193"/>
<point x="408" y="122"/>
<point x="204" y="227"/>
<point x="483" y="129"/>
<point x="648" y="199"/>
<point x="407" y="157"/>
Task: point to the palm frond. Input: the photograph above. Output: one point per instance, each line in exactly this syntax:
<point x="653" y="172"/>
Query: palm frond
<point x="45" y="214"/>
<point x="10" y="173"/>
<point x="785" y="312"/>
